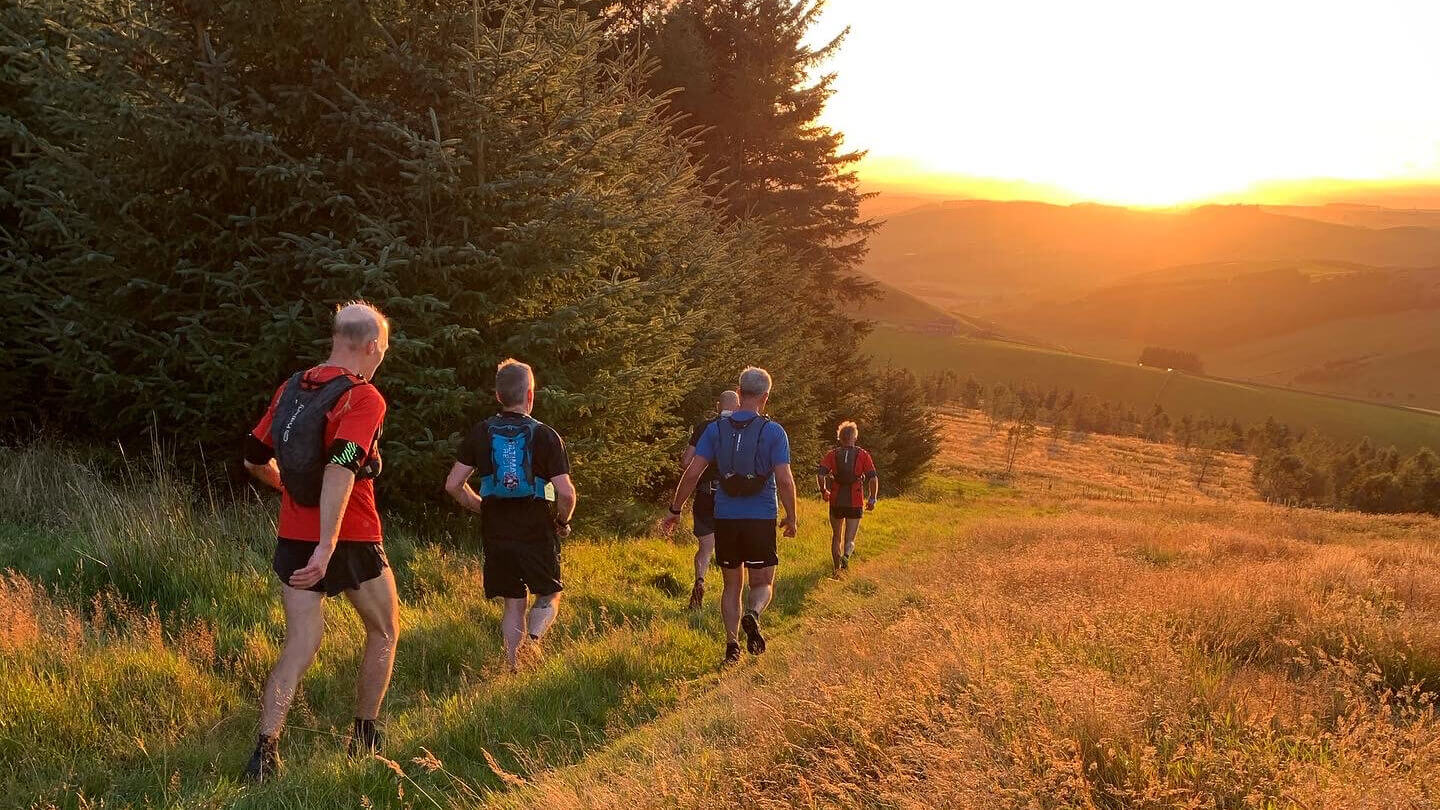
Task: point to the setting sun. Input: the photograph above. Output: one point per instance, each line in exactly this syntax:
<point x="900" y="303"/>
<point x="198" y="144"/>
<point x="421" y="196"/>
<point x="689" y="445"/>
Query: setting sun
<point x="1135" y="102"/>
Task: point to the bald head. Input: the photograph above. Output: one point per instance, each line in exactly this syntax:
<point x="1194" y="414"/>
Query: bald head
<point x="357" y="323"/>
<point x="359" y="338"/>
<point x="729" y="401"/>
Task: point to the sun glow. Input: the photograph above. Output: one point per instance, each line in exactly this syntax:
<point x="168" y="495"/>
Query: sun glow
<point x="1138" y="102"/>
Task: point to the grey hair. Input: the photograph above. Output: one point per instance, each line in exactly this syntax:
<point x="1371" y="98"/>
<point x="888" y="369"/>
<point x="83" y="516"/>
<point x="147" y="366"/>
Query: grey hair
<point x="513" y="380"/>
<point x="729" y="400"/>
<point x="754" y="382"/>
<point x="848" y="431"/>
<point x="355" y="329"/>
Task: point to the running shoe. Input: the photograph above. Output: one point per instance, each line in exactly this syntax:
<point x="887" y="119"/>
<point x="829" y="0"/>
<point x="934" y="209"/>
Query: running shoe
<point x="366" y="739"/>
<point x="265" y="762"/>
<point x="732" y="654"/>
<point x="754" y="641"/>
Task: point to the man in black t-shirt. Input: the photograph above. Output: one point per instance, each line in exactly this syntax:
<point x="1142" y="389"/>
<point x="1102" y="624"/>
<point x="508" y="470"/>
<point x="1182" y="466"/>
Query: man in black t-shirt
<point x="703" y="508"/>
<point x="524" y="513"/>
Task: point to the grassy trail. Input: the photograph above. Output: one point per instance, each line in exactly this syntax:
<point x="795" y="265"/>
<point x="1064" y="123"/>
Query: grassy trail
<point x="143" y="629"/>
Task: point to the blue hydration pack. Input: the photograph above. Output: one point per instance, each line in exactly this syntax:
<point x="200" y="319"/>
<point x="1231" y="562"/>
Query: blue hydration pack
<point x="512" y="473"/>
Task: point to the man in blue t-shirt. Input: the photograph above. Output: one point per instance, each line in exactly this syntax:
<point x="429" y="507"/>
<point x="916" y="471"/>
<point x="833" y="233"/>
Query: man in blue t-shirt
<point x="751" y="455"/>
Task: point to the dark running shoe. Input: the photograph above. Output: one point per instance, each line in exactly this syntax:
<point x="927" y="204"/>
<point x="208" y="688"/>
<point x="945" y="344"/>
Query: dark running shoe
<point x="366" y="739"/>
<point x="265" y="762"/>
<point x="754" y="642"/>
<point x="732" y="654"/>
<point x="697" y="594"/>
<point x="845" y="563"/>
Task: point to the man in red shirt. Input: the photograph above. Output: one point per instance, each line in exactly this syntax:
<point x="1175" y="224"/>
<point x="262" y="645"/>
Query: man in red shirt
<point x="847" y="479"/>
<point x="318" y="443"/>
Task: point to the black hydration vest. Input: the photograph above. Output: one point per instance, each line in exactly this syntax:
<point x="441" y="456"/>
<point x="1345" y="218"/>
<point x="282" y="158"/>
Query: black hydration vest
<point x="845" y="458"/>
<point x="298" y="434"/>
<point x="740" y="476"/>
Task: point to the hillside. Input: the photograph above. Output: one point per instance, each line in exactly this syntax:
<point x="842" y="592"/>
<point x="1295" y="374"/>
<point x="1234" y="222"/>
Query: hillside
<point x="1063" y="635"/>
<point x="993" y="361"/>
<point x="969" y="253"/>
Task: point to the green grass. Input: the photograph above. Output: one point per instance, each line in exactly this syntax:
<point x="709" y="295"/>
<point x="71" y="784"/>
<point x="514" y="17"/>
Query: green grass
<point x="998" y="362"/>
<point x="141" y="627"/>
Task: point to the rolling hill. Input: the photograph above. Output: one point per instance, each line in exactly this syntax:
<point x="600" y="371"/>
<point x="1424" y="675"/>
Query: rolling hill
<point x="991" y="361"/>
<point x="971" y="254"/>
<point x="1334" y="299"/>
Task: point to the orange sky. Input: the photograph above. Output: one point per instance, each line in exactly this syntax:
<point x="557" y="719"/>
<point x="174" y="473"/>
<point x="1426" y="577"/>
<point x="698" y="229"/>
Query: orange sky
<point x="1143" y="102"/>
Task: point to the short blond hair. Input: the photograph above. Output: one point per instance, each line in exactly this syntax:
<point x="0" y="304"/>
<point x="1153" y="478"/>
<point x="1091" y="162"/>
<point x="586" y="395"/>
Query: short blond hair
<point x="848" y="432"/>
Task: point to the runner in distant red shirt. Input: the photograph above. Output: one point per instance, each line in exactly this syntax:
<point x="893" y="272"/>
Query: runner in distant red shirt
<point x="334" y="546"/>
<point x="846" y="490"/>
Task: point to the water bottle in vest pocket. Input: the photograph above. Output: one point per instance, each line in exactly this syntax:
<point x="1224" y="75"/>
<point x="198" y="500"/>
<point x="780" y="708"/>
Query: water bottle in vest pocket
<point x="512" y="475"/>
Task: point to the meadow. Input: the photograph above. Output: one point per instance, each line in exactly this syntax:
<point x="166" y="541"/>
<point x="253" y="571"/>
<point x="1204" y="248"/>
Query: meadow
<point x="1103" y="627"/>
<point x="992" y="361"/>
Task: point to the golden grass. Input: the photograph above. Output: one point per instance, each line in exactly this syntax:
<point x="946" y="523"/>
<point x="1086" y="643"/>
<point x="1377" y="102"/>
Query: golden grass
<point x="1200" y="650"/>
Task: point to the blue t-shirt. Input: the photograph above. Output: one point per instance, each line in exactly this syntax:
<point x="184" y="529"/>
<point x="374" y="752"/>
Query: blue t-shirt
<point x="774" y="450"/>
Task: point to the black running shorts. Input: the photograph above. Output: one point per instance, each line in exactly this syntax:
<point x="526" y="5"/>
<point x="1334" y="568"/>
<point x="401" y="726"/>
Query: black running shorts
<point x="851" y="512"/>
<point x="703" y="510"/>
<point x="350" y="565"/>
<point x="745" y="542"/>
<point x="514" y="567"/>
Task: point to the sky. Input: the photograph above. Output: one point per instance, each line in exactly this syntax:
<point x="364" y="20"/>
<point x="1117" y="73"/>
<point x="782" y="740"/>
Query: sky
<point x="1153" y="102"/>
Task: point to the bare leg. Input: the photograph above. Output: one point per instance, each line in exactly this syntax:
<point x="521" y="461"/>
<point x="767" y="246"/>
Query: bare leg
<point x="542" y="614"/>
<point x="304" y="626"/>
<point x="703" y="555"/>
<point x="837" y="550"/>
<point x="379" y="608"/>
<point x="702" y="564"/>
<point x="512" y="627"/>
<point x="852" y="529"/>
<point x="762" y="588"/>
<point x="730" y="601"/>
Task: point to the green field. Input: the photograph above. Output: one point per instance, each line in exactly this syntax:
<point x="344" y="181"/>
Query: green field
<point x="1180" y="394"/>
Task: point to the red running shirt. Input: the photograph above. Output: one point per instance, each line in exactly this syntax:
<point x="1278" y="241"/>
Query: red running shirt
<point x="864" y="469"/>
<point x="356" y="417"/>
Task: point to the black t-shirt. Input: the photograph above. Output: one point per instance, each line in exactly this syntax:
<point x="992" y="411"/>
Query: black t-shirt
<point x="516" y="519"/>
<point x="707" y="481"/>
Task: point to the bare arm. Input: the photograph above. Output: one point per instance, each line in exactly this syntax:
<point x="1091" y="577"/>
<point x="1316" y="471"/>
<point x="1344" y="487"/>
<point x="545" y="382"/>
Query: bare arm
<point x="873" y="485"/>
<point x="785" y="487"/>
<point x="693" y="471"/>
<point x="820" y="481"/>
<point x="565" y="497"/>
<point x="686" y="457"/>
<point x="457" y="483"/>
<point x="335" y="491"/>
<point x="267" y="473"/>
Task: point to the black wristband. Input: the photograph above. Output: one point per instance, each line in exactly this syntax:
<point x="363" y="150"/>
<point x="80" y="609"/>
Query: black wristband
<point x="676" y="512"/>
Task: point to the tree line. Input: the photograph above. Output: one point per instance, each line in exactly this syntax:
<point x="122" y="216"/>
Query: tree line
<point x="636" y="198"/>
<point x="1311" y="470"/>
<point x="1303" y="468"/>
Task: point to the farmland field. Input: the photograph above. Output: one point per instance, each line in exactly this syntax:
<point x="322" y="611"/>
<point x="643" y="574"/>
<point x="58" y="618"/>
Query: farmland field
<point x="992" y="361"/>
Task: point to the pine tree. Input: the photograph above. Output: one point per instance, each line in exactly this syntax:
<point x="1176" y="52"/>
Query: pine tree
<point x="230" y="171"/>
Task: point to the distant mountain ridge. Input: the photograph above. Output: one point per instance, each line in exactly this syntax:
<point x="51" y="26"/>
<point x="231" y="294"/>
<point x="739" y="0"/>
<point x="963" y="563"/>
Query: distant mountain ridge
<point x="1293" y="282"/>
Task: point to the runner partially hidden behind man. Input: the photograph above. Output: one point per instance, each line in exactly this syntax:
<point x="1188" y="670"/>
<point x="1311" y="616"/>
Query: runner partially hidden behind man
<point x="751" y="455"/>
<point x="525" y="503"/>
<point x="702" y="509"/>
<point x="843" y="474"/>
<point x="318" y="443"/>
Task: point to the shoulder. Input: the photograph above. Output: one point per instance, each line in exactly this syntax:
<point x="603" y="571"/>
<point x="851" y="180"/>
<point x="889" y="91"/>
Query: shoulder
<point x="366" y="397"/>
<point x="776" y="430"/>
<point x="545" y="433"/>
